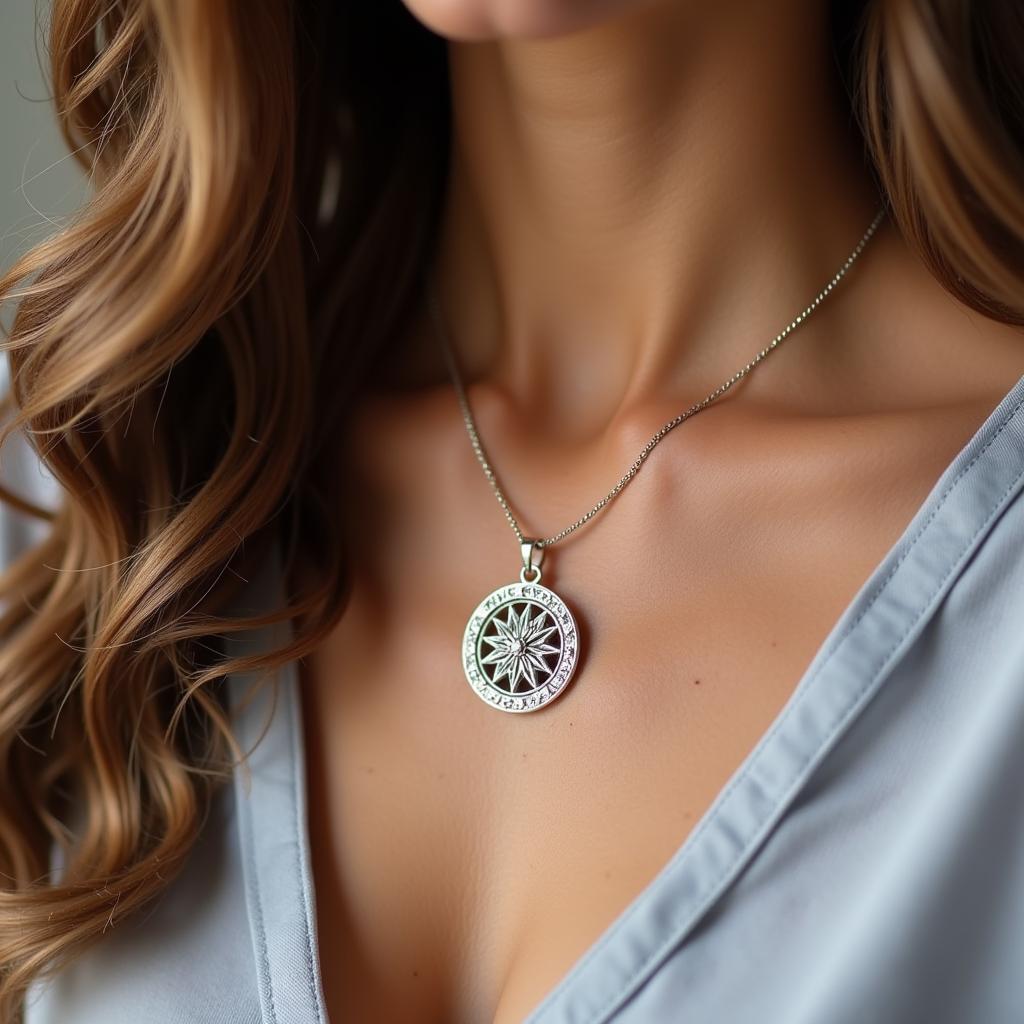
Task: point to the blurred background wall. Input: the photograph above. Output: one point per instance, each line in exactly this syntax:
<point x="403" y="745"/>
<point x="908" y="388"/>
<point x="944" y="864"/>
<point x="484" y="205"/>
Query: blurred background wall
<point x="37" y="179"/>
<point x="39" y="185"/>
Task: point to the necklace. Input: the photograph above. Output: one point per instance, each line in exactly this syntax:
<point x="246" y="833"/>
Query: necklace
<point x="521" y="644"/>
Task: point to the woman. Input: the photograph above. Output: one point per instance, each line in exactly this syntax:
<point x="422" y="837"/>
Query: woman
<point x="751" y="750"/>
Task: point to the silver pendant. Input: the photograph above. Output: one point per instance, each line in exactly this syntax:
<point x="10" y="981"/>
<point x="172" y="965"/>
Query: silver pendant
<point x="521" y="643"/>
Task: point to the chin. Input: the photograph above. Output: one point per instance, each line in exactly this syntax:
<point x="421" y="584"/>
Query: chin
<point x="509" y="19"/>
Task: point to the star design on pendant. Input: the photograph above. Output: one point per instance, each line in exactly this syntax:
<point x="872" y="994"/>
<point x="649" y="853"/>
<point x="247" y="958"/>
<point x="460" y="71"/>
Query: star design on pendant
<point x="519" y="646"/>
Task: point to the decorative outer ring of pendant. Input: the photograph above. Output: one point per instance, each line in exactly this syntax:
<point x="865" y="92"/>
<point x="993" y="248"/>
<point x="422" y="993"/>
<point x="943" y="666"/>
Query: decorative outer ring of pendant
<point x="520" y="594"/>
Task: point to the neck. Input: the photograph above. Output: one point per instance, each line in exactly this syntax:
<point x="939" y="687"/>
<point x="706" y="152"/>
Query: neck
<point x="654" y="197"/>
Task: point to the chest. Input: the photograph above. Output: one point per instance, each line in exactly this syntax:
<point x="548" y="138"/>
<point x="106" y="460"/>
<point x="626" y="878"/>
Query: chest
<point x="466" y="858"/>
<point x="465" y="861"/>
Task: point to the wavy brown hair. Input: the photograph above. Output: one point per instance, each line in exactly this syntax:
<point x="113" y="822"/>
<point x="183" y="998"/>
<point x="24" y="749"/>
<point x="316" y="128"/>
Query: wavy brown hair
<point x="184" y="349"/>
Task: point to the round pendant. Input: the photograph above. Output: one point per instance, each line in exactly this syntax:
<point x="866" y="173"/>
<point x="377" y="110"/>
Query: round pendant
<point x="520" y="647"/>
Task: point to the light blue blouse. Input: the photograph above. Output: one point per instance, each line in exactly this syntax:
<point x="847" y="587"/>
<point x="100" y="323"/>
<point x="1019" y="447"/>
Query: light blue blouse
<point x="863" y="865"/>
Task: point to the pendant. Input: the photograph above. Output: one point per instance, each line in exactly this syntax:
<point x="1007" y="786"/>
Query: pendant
<point x="521" y="643"/>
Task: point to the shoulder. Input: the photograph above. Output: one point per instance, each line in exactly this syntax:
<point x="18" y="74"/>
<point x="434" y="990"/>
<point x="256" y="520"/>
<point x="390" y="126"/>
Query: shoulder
<point x="188" y="957"/>
<point x="205" y="948"/>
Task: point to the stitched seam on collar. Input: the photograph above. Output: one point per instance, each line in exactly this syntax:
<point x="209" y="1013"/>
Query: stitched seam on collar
<point x="300" y="873"/>
<point x="245" y="816"/>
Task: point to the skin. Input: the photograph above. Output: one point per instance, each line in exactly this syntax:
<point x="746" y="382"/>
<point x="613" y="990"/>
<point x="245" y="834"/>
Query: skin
<point x="643" y="194"/>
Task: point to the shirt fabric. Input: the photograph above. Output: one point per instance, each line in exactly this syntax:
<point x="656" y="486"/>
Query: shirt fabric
<point x="863" y="865"/>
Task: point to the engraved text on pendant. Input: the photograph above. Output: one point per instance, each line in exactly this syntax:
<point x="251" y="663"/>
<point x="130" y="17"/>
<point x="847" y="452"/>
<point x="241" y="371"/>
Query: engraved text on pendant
<point x="520" y="647"/>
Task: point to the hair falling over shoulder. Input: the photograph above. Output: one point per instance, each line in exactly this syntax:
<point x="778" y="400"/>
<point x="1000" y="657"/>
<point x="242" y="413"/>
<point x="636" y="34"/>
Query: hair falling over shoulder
<point x="182" y="349"/>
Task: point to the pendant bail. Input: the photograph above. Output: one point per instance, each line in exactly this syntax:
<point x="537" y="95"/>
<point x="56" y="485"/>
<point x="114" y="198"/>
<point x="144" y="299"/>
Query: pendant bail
<point x="531" y="548"/>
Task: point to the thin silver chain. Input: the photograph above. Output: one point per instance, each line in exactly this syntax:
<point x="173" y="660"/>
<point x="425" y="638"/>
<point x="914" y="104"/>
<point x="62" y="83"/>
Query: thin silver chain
<point x="478" y="448"/>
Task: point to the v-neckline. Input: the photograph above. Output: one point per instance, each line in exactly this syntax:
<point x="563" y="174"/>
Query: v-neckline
<point x="853" y="662"/>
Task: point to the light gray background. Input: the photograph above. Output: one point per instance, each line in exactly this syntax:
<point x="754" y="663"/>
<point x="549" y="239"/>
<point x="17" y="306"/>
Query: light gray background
<point x="39" y="185"/>
<point x="39" y="181"/>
